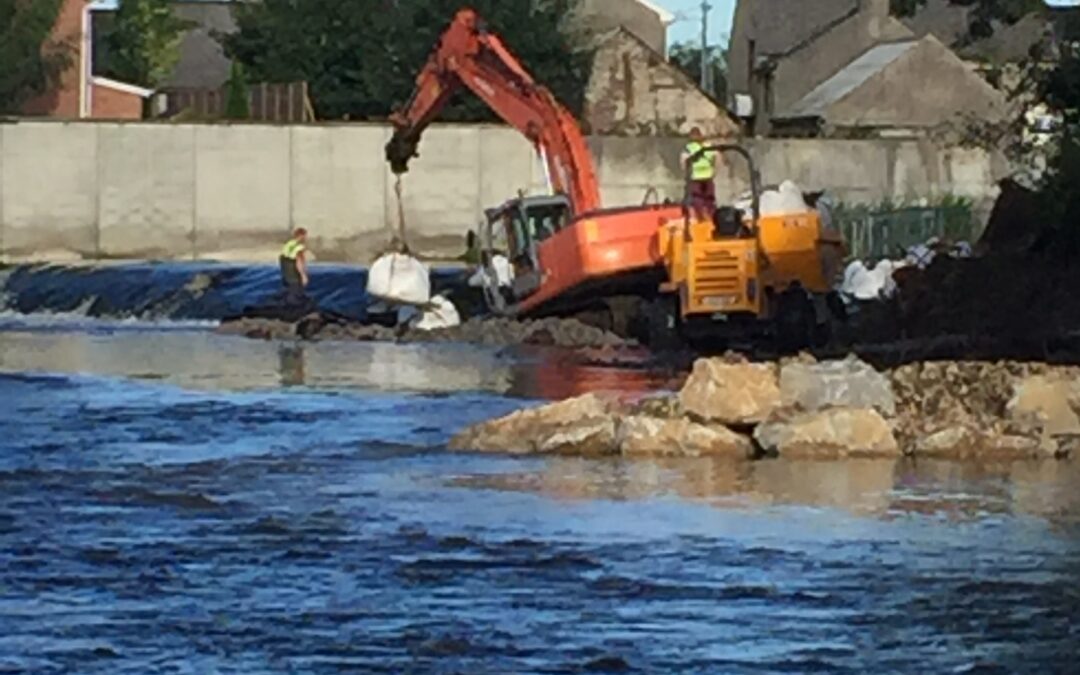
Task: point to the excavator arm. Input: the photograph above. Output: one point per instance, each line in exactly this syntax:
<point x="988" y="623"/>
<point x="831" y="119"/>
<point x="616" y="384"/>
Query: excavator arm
<point x="470" y="57"/>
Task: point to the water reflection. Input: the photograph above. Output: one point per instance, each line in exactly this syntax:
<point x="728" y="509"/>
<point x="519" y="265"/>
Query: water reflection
<point x="291" y="365"/>
<point x="202" y="360"/>
<point x="878" y="488"/>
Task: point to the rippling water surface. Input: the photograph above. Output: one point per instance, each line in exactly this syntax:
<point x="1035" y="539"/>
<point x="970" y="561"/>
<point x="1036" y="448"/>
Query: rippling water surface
<point x="175" y="501"/>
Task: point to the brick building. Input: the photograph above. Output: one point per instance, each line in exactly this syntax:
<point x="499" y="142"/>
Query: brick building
<point x="78" y="94"/>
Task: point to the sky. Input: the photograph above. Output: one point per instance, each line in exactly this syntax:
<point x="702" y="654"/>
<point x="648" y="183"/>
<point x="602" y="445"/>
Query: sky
<point x="687" y="26"/>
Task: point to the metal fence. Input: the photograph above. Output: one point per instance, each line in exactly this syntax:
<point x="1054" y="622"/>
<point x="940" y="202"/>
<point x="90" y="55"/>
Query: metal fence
<point x="881" y="234"/>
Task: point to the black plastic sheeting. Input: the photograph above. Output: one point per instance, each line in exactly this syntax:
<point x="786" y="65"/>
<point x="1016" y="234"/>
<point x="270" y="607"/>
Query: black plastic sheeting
<point x="183" y="291"/>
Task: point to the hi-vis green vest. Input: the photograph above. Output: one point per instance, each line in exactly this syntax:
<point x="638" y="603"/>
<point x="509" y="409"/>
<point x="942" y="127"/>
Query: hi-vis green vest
<point x="291" y="249"/>
<point x="701" y="168"/>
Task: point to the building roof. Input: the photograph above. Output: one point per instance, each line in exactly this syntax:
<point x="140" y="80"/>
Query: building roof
<point x="778" y="26"/>
<point x="665" y="16"/>
<point x="850" y="78"/>
<point x="122" y="86"/>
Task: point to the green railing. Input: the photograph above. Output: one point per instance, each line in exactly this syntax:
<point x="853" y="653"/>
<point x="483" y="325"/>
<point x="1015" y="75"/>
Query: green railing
<point x="875" y="234"/>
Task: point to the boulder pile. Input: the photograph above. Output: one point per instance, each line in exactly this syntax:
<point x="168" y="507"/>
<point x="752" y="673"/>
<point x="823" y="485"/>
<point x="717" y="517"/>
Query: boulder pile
<point x="804" y="409"/>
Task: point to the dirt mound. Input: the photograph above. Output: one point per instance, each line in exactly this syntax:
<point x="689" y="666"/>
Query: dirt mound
<point x="1018" y="296"/>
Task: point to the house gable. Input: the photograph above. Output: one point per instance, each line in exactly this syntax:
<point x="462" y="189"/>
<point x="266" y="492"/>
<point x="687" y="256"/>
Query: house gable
<point x="917" y="86"/>
<point x="634" y="91"/>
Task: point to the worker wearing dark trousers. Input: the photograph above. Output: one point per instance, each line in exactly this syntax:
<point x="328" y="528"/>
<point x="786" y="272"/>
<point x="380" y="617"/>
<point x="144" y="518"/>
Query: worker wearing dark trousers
<point x="294" y="276"/>
<point x="702" y="175"/>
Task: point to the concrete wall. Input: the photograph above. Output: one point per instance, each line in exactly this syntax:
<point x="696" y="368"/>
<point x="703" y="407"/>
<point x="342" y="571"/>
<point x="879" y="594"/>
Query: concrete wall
<point x="140" y="190"/>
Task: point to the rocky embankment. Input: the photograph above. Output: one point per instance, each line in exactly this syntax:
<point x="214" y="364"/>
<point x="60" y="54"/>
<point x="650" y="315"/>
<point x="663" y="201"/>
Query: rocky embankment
<point x="801" y="408"/>
<point x="498" y="332"/>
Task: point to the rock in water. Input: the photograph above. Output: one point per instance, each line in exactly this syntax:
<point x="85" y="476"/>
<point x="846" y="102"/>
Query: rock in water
<point x="580" y="426"/>
<point x="828" y="434"/>
<point x="640" y="435"/>
<point x="850" y="383"/>
<point x="258" y="329"/>
<point x="963" y="442"/>
<point x="734" y="394"/>
<point x="1049" y="401"/>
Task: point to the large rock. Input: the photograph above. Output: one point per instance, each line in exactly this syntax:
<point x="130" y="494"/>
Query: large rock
<point x="828" y="434"/>
<point x="734" y="394"/>
<point x="259" y="329"/>
<point x="850" y="383"/>
<point x="961" y="442"/>
<point x="640" y="435"/>
<point x="579" y="426"/>
<point x="1049" y="401"/>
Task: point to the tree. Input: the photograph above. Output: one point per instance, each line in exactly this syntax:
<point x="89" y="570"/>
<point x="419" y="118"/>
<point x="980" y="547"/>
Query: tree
<point x="31" y="61"/>
<point x="1058" y="87"/>
<point x="985" y="14"/>
<point x="144" y="44"/>
<point x="236" y="94"/>
<point x="687" y="57"/>
<point x="360" y="57"/>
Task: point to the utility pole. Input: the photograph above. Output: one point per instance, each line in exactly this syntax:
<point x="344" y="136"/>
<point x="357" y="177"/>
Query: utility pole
<point x="706" y="71"/>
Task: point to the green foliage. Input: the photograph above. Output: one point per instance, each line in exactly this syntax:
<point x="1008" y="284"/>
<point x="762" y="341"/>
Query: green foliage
<point x="1061" y="91"/>
<point x="144" y="44"/>
<point x="687" y="57"/>
<point x="360" y="57"/>
<point x="984" y="15"/>
<point x="236" y="94"/>
<point x="1057" y="86"/>
<point x="29" y="61"/>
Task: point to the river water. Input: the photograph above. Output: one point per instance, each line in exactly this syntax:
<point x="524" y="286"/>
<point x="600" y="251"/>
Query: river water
<point x="176" y="501"/>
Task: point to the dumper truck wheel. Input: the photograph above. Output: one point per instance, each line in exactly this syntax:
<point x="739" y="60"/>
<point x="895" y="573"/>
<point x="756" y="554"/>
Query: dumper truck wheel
<point x="795" y="320"/>
<point x="656" y="324"/>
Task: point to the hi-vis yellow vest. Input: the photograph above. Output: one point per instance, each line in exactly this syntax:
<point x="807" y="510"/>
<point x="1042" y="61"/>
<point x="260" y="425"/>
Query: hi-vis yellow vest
<point x="701" y="168"/>
<point x="291" y="249"/>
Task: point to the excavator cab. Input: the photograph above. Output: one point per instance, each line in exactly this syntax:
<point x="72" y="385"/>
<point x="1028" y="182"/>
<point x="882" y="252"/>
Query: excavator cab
<point x="525" y="222"/>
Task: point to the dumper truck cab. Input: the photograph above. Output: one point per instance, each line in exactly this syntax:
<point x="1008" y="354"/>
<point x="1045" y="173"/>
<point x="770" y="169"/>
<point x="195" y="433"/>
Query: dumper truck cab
<point x="739" y="272"/>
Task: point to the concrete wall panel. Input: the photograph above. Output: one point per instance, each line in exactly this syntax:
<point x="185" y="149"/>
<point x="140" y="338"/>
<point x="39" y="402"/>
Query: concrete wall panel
<point x="235" y="191"/>
<point x="242" y="190"/>
<point x="440" y="191"/>
<point x="339" y="189"/>
<point x="147" y="187"/>
<point x="628" y="167"/>
<point x="508" y="163"/>
<point x="50" y="190"/>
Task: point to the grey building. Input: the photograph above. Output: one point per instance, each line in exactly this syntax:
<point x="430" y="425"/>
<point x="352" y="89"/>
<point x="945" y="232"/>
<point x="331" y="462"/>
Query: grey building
<point x="202" y="64"/>
<point x="847" y="68"/>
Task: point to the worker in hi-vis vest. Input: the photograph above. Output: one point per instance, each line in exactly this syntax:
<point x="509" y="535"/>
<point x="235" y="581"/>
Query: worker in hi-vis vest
<point x="294" y="274"/>
<point x="702" y="169"/>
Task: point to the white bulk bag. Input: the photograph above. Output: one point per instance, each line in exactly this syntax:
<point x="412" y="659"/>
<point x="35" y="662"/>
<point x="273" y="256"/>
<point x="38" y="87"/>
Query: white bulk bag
<point x="439" y="313"/>
<point x="399" y="279"/>
<point x="785" y="201"/>
<point x="504" y="273"/>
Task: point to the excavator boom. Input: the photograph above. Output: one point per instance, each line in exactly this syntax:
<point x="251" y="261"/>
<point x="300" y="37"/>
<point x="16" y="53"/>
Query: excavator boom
<point x="470" y="57"/>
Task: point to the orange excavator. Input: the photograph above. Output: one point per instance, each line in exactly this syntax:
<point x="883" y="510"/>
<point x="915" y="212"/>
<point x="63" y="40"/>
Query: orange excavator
<point x="660" y="272"/>
<point x="568" y="253"/>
